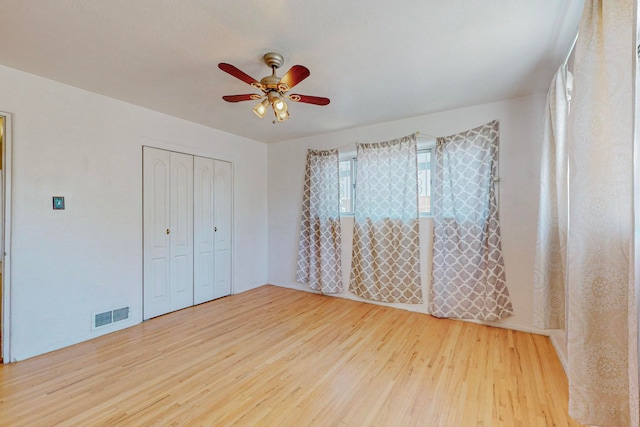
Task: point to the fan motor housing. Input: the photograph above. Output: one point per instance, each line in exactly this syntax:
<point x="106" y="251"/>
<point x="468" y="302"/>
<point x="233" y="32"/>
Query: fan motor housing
<point x="270" y="82"/>
<point x="273" y="59"/>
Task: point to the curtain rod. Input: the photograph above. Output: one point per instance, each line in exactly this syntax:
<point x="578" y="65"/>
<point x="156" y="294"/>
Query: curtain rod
<point x="573" y="46"/>
<point x="354" y="145"/>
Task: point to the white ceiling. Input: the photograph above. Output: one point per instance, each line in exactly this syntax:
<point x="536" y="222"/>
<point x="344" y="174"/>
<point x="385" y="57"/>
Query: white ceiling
<point x="376" y="60"/>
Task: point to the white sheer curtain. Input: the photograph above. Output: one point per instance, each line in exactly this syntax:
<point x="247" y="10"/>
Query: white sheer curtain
<point x="602" y="333"/>
<point x="553" y="217"/>
<point x="468" y="269"/>
<point x="386" y="260"/>
<point x="319" y="253"/>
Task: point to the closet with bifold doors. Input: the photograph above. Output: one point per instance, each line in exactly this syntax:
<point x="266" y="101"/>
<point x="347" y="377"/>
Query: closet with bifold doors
<point x="186" y="230"/>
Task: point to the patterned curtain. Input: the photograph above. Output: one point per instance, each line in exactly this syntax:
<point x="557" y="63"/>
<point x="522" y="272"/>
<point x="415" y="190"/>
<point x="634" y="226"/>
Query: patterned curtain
<point x="319" y="259"/>
<point x="603" y="330"/>
<point x="553" y="218"/>
<point x="468" y="270"/>
<point x="386" y="260"/>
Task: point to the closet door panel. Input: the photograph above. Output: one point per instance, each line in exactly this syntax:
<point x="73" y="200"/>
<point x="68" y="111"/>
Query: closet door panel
<point x="203" y="229"/>
<point x="156" y="267"/>
<point x="181" y="219"/>
<point x="223" y="225"/>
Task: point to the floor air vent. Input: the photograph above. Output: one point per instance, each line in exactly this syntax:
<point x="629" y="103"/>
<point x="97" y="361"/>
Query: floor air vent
<point x="101" y="320"/>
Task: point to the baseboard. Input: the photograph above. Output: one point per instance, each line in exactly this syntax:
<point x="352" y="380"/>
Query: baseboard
<point x="511" y="326"/>
<point x="560" y="345"/>
<point x="422" y="308"/>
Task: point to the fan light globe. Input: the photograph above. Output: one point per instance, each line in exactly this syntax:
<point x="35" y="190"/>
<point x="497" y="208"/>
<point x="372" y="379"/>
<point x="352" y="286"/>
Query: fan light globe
<point x="283" y="116"/>
<point x="279" y="106"/>
<point x="261" y="108"/>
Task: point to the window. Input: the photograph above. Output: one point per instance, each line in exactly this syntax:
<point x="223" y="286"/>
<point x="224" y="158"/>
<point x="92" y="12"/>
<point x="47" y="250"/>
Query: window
<point x="347" y="186"/>
<point x="425" y="184"/>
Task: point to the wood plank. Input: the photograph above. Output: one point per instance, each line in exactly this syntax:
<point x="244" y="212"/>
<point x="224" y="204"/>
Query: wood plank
<point x="276" y="356"/>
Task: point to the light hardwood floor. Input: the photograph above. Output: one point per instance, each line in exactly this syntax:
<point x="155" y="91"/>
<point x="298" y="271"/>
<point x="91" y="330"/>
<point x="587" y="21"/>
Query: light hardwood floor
<point x="280" y="357"/>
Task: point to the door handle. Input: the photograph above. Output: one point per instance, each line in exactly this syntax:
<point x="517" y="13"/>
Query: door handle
<point x="168" y="231"/>
<point x="215" y="229"/>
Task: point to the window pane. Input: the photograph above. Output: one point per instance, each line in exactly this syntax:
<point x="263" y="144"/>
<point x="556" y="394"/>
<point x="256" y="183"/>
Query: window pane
<point x="346" y="187"/>
<point x="424" y="182"/>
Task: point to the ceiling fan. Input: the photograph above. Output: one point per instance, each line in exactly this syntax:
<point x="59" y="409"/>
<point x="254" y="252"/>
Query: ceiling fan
<point x="274" y="89"/>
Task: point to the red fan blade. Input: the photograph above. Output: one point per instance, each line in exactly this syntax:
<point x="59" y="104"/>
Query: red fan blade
<point x="316" y="100"/>
<point x="295" y="75"/>
<point x="238" y="98"/>
<point x="235" y="72"/>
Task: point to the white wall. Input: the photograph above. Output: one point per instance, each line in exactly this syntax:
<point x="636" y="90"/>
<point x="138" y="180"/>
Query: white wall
<point x="69" y="264"/>
<point x="520" y="134"/>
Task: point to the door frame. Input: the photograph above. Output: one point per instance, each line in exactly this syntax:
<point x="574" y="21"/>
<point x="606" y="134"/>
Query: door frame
<point x="636" y="174"/>
<point x="5" y="243"/>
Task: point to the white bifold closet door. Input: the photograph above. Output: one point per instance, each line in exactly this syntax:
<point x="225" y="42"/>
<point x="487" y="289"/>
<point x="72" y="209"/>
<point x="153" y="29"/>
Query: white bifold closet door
<point x="212" y="229"/>
<point x="187" y="230"/>
<point x="168" y="231"/>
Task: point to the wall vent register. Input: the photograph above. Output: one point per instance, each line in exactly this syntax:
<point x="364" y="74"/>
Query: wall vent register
<point x="106" y="318"/>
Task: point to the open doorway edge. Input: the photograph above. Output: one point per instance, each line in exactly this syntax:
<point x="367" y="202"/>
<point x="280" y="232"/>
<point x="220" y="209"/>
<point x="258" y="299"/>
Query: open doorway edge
<point x="5" y="249"/>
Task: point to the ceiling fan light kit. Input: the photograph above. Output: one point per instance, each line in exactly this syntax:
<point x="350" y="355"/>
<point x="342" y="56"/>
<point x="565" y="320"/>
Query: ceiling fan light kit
<point x="274" y="89"/>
